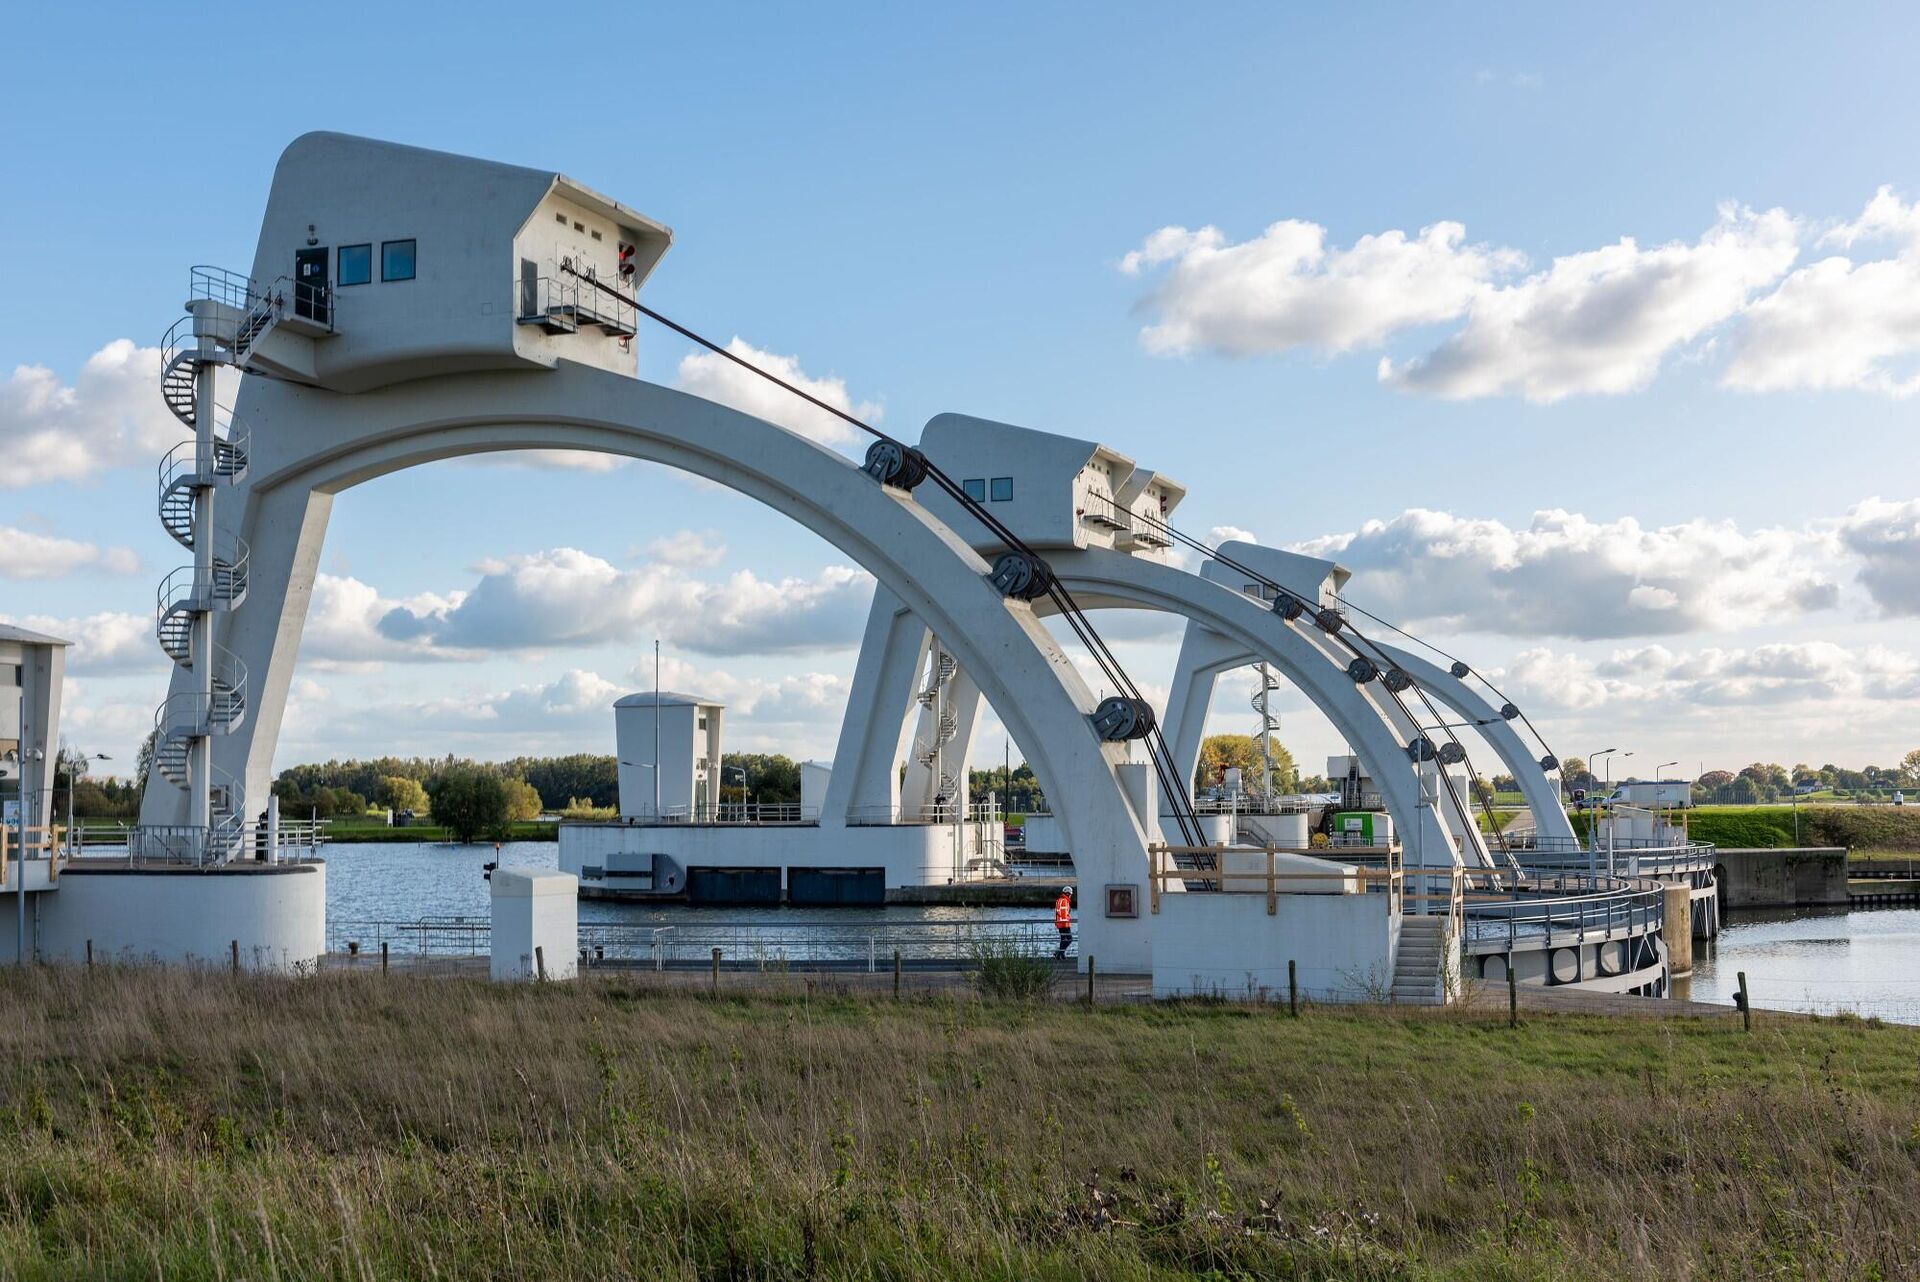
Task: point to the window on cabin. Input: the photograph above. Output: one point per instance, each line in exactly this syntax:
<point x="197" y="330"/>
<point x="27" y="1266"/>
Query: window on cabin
<point x="356" y="264"/>
<point x="1002" y="489"/>
<point x="396" y="260"/>
<point x="976" y="488"/>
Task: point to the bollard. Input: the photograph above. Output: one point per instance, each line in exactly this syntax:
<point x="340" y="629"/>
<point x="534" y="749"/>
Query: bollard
<point x="383" y="957"/>
<point x="234" y="951"/>
<point x="716" y="970"/>
<point x="1293" y="990"/>
<point x="540" y="962"/>
<point x="1089" y="979"/>
<point x="1513" y="994"/>
<point x="896" y="972"/>
<point x="1744" y="1003"/>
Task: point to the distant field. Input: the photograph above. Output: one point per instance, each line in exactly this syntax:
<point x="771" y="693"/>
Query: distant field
<point x="169" y="1124"/>
<point x="1888" y="828"/>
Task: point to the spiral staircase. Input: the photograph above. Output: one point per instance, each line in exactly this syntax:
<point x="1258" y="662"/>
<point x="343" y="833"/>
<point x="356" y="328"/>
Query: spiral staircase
<point x="929" y="751"/>
<point x="226" y="315"/>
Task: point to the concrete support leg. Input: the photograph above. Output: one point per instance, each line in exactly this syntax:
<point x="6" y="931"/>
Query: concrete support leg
<point x="865" y="785"/>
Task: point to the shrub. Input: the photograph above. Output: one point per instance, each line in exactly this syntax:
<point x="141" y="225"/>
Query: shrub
<point x="582" y="808"/>
<point x="1005" y="971"/>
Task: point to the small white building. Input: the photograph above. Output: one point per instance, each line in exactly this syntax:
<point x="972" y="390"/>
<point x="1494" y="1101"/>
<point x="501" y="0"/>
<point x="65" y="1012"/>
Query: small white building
<point x="31" y="668"/>
<point x="688" y="764"/>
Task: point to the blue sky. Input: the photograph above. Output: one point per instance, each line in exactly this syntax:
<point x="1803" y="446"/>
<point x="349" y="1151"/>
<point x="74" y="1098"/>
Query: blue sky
<point x="936" y="207"/>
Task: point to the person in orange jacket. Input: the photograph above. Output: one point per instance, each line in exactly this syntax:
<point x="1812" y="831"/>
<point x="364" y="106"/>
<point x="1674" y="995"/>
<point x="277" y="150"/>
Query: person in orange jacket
<point x="1063" y="919"/>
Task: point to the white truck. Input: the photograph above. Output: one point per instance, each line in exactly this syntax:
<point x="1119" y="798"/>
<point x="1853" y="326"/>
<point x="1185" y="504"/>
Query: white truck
<point x="1654" y="795"/>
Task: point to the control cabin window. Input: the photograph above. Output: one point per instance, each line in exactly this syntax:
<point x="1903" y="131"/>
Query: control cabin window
<point x="396" y="260"/>
<point x="976" y="488"/>
<point x="1003" y="489"/>
<point x="356" y="264"/>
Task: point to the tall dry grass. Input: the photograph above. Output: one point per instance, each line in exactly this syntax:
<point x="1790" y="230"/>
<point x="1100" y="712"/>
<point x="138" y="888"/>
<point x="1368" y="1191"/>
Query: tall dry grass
<point x="156" y="1123"/>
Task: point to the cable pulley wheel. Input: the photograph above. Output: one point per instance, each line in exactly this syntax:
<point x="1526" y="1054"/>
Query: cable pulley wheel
<point x="1549" y="764"/>
<point x="1021" y="575"/>
<point x="1420" y="748"/>
<point x="1120" y="718"/>
<point x="1396" y="680"/>
<point x="1509" y="711"/>
<point x="1362" y="670"/>
<point x="1289" y="606"/>
<point x="1329" y="620"/>
<point x="891" y="463"/>
<point x="1459" y="669"/>
<point x="1451" y="754"/>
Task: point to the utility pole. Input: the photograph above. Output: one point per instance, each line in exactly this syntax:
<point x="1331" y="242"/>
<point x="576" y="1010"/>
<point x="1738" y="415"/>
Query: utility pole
<point x="656" y="729"/>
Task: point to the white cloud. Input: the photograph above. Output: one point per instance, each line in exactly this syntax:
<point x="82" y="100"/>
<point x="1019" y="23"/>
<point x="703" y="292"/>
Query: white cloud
<point x="1566" y="575"/>
<point x="1597" y="321"/>
<point x="104" y="643"/>
<point x="109" y="414"/>
<point x="693" y="549"/>
<point x="26" y="555"/>
<point x="715" y="377"/>
<point x="1886" y="538"/>
<point x="566" y="597"/>
<point x="1838" y="323"/>
<point x="1812" y="672"/>
<point x="1230" y="534"/>
<point x="1603" y="320"/>
<point x="1285" y="288"/>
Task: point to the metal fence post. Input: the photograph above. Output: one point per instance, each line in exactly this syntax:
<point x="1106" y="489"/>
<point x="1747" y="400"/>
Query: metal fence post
<point x="896" y="972"/>
<point x="1745" y="1003"/>
<point x="716" y="970"/>
<point x="1293" y="989"/>
<point x="383" y="957"/>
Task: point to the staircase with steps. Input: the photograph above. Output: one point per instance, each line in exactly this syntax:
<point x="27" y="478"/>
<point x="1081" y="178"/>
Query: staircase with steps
<point x="1420" y="965"/>
<point x="946" y="727"/>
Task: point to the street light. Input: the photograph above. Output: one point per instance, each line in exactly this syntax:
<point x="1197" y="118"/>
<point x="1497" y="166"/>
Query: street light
<point x="746" y="799"/>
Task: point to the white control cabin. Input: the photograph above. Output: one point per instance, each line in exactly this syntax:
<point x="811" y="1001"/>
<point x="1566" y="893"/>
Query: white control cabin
<point x="1050" y="491"/>
<point x="384" y="263"/>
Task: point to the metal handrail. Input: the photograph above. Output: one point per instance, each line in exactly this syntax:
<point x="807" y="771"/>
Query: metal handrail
<point x="227" y="584"/>
<point x="221" y="285"/>
<point x="1602" y="906"/>
<point x="189" y="457"/>
<point x="864" y="945"/>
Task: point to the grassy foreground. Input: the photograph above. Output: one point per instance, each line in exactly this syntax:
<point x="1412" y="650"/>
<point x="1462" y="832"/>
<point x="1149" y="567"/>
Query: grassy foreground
<point x="159" y="1124"/>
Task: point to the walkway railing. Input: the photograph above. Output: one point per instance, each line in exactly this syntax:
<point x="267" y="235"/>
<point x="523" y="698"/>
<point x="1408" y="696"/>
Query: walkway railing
<point x="860" y="945"/>
<point x="1629" y="856"/>
<point x="1573" y="906"/>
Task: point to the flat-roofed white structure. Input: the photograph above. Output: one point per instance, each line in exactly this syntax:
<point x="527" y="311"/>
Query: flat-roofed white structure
<point x="688" y="765"/>
<point x="32" y="668"/>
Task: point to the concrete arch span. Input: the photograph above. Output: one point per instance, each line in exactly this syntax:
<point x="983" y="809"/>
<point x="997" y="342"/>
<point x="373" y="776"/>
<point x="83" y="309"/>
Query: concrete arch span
<point x="1241" y="628"/>
<point x="309" y="445"/>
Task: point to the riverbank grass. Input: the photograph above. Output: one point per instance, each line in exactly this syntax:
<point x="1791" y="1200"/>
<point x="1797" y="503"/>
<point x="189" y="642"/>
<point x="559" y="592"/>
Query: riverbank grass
<point x="159" y="1123"/>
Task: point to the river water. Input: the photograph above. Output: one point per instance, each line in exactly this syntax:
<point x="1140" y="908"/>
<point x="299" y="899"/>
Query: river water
<point x="1823" y="960"/>
<point x="406" y="881"/>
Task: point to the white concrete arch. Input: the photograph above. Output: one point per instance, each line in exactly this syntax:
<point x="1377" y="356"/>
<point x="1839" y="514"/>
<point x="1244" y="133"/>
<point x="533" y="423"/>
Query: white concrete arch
<point x="1243" y="628"/>
<point x="1542" y="797"/>
<point x="309" y="445"/>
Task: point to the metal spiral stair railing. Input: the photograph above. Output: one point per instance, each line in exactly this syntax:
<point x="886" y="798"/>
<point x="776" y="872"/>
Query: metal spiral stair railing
<point x="187" y="468"/>
<point x="182" y="718"/>
<point x="181" y="598"/>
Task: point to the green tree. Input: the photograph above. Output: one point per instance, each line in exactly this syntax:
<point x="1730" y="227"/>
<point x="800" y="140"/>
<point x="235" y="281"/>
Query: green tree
<point x="1222" y="752"/>
<point x="400" y="792"/>
<point x="523" y="801"/>
<point x="1910" y="768"/>
<point x="1574" y="774"/>
<point x="470" y="803"/>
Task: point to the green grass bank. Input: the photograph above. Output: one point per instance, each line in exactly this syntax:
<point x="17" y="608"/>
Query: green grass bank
<point x="162" y="1124"/>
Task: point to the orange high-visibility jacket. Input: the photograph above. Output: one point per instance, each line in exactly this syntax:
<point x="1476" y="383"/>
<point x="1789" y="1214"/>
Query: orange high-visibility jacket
<point x="1063" y="913"/>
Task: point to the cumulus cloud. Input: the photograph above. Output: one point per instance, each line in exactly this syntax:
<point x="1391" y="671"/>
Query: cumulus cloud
<point x="716" y="378"/>
<point x="56" y="431"/>
<point x="1603" y="320"/>
<point x="1597" y="321"/>
<point x="1838" y="323"/>
<point x="567" y="597"/>
<point x="104" y="643"/>
<point x="1811" y="672"/>
<point x="26" y="555"/>
<point x="1566" y="575"/>
<point x="692" y="549"/>
<point x="1886" y="538"/>
<point x="1285" y="288"/>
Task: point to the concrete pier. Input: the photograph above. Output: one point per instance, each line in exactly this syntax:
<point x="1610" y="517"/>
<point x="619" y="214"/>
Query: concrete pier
<point x="1788" y="877"/>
